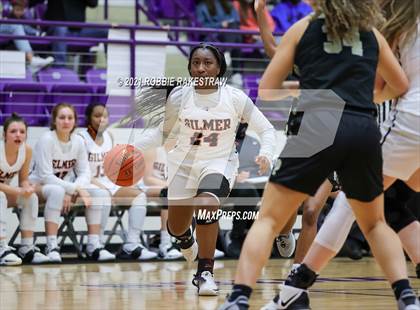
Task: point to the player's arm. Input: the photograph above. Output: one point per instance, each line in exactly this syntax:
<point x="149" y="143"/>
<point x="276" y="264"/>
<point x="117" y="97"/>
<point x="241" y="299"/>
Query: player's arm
<point x="24" y="173"/>
<point x="281" y="65"/>
<point x="265" y="32"/>
<point x="395" y="80"/>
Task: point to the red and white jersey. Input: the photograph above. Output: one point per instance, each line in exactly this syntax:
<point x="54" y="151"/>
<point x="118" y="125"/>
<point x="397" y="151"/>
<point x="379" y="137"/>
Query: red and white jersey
<point x="96" y="153"/>
<point x="60" y="163"/>
<point x="204" y="125"/>
<point x="207" y="123"/>
<point x="7" y="172"/>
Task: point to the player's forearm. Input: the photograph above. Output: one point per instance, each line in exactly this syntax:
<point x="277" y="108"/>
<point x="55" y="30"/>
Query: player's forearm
<point x="385" y="94"/>
<point x="266" y="35"/>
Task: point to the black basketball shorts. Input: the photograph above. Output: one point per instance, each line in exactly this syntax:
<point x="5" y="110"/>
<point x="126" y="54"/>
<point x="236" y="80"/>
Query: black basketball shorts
<point x="355" y="154"/>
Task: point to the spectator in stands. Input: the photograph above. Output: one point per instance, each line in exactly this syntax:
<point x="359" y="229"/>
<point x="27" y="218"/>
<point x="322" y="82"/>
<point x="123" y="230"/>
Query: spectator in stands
<point x="19" y="8"/>
<point x="15" y="156"/>
<point x="35" y="63"/>
<point x="62" y="174"/>
<point x="221" y="14"/>
<point x="248" y="19"/>
<point x="70" y="11"/>
<point x="248" y="148"/>
<point x="288" y="12"/>
<point x="99" y="141"/>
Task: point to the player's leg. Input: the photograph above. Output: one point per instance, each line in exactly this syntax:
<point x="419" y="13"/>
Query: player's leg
<point x="180" y="218"/>
<point x="384" y="244"/>
<point x="7" y="254"/>
<point x="167" y="250"/>
<point x="212" y="189"/>
<point x="286" y="242"/>
<point x="137" y="201"/>
<point x="53" y="195"/>
<point x="278" y="205"/>
<point x="101" y="199"/>
<point x="311" y="210"/>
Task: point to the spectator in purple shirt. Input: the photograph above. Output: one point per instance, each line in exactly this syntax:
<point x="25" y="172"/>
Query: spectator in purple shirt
<point x="288" y="12"/>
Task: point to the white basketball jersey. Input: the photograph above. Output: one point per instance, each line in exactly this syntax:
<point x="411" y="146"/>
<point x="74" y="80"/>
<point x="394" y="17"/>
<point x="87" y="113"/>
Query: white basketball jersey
<point x="160" y="164"/>
<point x="208" y="124"/>
<point x="410" y="60"/>
<point x="7" y="172"/>
<point x="96" y="153"/>
<point x="64" y="155"/>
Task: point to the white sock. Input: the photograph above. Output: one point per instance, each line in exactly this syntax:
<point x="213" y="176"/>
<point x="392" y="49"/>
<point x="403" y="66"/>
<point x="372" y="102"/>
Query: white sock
<point x="93" y="243"/>
<point x="52" y="242"/>
<point x="27" y="241"/>
<point x="3" y="243"/>
<point x="165" y="238"/>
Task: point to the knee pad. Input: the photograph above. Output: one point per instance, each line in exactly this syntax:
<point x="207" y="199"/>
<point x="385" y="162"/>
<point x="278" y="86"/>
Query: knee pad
<point x="397" y="214"/>
<point x="337" y="225"/>
<point x="137" y="212"/>
<point x="54" y="196"/>
<point x="215" y="184"/>
<point x="29" y="212"/>
<point x="3" y="208"/>
<point x="206" y="217"/>
<point x="164" y="195"/>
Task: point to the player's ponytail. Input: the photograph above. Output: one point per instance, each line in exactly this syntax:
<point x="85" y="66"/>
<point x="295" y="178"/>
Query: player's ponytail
<point x="344" y="17"/>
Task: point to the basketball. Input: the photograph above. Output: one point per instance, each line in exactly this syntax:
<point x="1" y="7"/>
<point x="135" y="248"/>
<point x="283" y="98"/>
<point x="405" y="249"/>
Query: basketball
<point x="124" y="165"/>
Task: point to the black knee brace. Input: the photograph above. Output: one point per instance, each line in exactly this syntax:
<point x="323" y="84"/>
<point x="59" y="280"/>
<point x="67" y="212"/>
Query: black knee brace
<point x="184" y="241"/>
<point x="164" y="195"/>
<point x="397" y="214"/>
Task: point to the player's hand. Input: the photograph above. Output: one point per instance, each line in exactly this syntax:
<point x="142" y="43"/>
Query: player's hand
<point x="27" y="190"/>
<point x="67" y="203"/>
<point x="259" y="5"/>
<point x="264" y="164"/>
<point x="242" y="176"/>
<point x="85" y="196"/>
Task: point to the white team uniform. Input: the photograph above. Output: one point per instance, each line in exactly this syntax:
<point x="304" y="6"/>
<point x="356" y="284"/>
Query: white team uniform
<point x="64" y="164"/>
<point x="401" y="131"/>
<point x="7" y="172"/>
<point x="205" y="128"/>
<point x="160" y="164"/>
<point x="96" y="154"/>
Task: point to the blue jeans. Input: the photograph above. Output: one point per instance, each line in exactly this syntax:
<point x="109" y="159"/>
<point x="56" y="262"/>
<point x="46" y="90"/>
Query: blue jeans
<point x="17" y="30"/>
<point x="59" y="48"/>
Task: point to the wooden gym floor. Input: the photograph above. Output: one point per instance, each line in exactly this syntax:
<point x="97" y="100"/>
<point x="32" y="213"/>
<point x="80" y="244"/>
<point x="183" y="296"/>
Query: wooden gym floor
<point x="345" y="284"/>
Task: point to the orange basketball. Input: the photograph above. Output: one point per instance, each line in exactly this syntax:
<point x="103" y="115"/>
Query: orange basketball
<point x="124" y="165"/>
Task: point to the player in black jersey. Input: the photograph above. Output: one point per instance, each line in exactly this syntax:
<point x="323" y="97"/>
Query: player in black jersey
<point x="337" y="52"/>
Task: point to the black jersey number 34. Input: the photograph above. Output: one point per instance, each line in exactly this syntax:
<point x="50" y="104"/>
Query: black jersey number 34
<point x="336" y="46"/>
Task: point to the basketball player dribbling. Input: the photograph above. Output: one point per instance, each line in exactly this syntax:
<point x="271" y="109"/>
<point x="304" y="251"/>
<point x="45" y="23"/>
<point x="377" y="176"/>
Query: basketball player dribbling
<point x="202" y="167"/>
